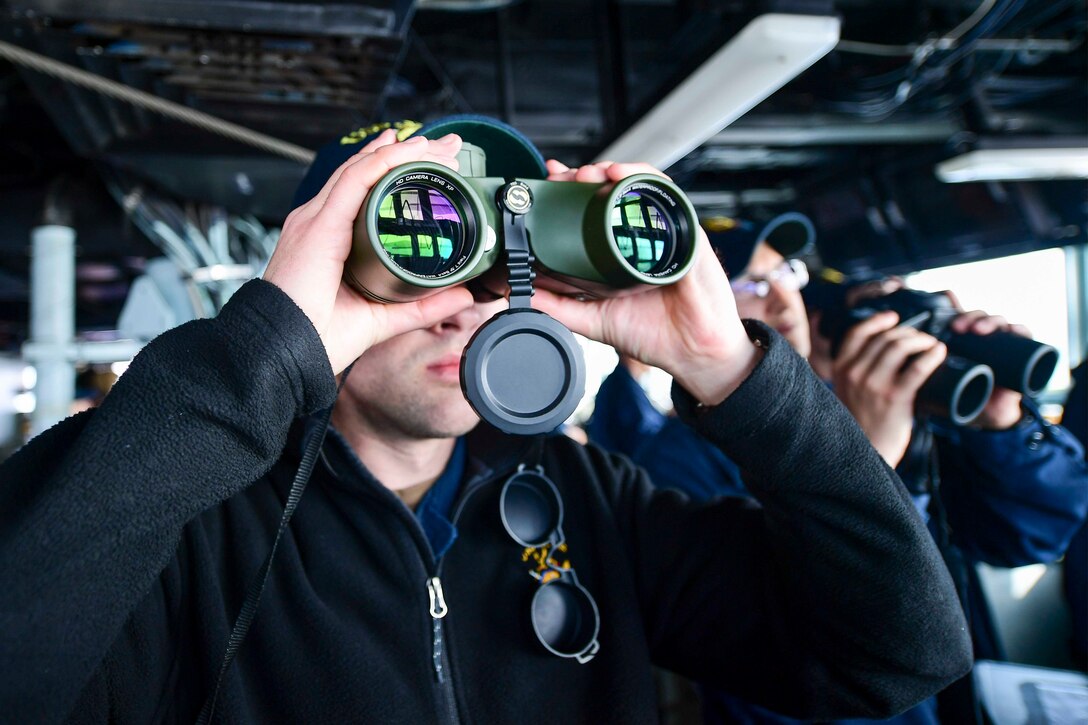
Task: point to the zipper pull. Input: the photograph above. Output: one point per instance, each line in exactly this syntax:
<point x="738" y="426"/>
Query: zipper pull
<point x="438" y="610"/>
<point x="438" y="602"/>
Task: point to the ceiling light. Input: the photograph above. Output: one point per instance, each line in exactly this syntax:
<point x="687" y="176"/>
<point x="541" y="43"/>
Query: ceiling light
<point x="769" y="52"/>
<point x="1015" y="165"/>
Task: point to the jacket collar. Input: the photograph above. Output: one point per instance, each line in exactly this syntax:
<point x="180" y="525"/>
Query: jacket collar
<point x="490" y="451"/>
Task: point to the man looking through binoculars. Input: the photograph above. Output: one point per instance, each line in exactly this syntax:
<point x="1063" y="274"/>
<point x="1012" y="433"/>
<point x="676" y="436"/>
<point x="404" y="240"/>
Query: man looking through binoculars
<point x="882" y="365"/>
<point x="527" y="579"/>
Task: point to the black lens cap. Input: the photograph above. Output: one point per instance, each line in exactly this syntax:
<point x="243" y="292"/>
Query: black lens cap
<point x="531" y="509"/>
<point x="523" y="372"/>
<point x="566" y="620"/>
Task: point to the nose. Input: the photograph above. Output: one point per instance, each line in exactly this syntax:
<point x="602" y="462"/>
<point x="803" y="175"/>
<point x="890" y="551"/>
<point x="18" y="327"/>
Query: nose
<point x="463" y="320"/>
<point x="467" y="320"/>
<point x="778" y="296"/>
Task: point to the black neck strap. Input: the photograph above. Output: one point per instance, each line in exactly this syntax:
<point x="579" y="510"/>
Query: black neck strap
<point x="515" y="200"/>
<point x="248" y="611"/>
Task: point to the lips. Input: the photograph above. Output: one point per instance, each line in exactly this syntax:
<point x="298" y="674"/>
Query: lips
<point x="447" y="367"/>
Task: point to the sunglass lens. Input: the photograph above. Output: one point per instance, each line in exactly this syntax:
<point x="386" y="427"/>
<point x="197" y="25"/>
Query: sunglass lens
<point x="530" y="509"/>
<point x="565" y="618"/>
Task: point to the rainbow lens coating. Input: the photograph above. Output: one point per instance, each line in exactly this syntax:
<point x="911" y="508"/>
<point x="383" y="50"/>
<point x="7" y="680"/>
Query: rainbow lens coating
<point x="644" y="233"/>
<point x="422" y="231"/>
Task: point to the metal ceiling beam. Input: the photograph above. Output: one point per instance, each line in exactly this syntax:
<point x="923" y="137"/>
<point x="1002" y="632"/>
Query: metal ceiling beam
<point x="809" y="131"/>
<point x="376" y="18"/>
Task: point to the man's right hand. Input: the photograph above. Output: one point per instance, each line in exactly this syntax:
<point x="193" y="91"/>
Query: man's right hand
<point x="873" y="378"/>
<point x="308" y="264"/>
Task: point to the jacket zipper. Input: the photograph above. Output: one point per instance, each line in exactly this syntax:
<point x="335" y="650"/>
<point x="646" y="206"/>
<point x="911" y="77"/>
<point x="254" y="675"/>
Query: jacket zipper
<point x="436" y="600"/>
<point x="438" y="610"/>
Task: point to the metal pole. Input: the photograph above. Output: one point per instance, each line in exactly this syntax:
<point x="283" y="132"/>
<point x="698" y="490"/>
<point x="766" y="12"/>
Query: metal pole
<point x="1076" y="274"/>
<point x="52" y="322"/>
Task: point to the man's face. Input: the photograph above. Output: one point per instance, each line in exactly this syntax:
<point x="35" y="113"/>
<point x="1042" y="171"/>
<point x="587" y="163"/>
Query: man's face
<point x="409" y="386"/>
<point x="783" y="308"/>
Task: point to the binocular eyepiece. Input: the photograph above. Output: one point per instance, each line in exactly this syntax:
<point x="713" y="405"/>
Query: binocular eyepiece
<point x="424" y="227"/>
<point x="961" y="387"/>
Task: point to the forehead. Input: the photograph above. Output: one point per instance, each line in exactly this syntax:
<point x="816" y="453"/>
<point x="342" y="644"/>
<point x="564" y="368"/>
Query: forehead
<point x="764" y="259"/>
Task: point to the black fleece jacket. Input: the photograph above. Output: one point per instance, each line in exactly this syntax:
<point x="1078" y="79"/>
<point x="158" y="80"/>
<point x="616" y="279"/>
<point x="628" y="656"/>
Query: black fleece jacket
<point x="129" y="535"/>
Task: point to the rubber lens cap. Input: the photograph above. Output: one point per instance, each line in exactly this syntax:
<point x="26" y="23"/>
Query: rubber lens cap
<point x="523" y="372"/>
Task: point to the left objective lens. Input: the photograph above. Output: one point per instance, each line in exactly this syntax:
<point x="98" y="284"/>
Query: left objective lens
<point x="422" y="230"/>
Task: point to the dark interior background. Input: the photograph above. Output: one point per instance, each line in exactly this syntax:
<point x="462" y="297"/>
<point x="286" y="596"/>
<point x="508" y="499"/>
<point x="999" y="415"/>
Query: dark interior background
<point x="852" y="142"/>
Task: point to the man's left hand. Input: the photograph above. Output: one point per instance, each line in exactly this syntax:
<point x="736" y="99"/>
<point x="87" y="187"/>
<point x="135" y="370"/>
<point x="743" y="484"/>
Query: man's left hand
<point x="690" y="329"/>
<point x="1003" y="410"/>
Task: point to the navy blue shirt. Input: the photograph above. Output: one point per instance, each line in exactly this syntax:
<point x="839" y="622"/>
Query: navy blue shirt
<point x="435" y="508"/>
<point x="434" y="511"/>
<point x="623" y="417"/>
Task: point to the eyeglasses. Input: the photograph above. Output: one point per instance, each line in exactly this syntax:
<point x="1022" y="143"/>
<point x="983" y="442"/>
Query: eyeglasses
<point x="564" y="615"/>
<point x="791" y="274"/>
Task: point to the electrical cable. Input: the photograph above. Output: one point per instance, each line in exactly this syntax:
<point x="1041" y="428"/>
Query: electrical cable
<point x="121" y="92"/>
<point x="866" y="48"/>
<point x="937" y="63"/>
<point x="975" y="18"/>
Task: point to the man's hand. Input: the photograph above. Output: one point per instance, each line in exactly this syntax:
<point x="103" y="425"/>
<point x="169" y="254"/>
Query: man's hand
<point x="1003" y="410"/>
<point x="873" y="378"/>
<point x="690" y="329"/>
<point x="308" y="263"/>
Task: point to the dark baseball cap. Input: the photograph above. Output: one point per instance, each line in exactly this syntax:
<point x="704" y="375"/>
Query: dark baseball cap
<point x="734" y="240"/>
<point x="509" y="153"/>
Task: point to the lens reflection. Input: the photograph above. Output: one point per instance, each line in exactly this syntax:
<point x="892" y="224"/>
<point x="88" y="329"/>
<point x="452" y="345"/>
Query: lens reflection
<point x="643" y="232"/>
<point x="421" y="230"/>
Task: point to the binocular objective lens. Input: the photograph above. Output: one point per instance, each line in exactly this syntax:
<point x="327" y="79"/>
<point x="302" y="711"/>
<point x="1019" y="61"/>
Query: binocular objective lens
<point x="422" y="230"/>
<point x="644" y="231"/>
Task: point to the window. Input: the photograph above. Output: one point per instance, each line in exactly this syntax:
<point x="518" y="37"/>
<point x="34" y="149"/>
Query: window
<point x="1030" y="289"/>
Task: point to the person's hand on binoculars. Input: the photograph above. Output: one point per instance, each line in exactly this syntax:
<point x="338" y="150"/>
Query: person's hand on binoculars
<point x="1003" y="410"/>
<point x="308" y="263"/>
<point x="877" y="374"/>
<point x="690" y="329"/>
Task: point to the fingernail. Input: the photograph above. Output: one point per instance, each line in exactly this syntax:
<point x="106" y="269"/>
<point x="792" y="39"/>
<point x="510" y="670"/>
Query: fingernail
<point x="416" y="140"/>
<point x="448" y="138"/>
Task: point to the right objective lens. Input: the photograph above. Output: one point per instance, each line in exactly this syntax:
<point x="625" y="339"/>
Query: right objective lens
<point x="422" y="230"/>
<point x="644" y="231"/>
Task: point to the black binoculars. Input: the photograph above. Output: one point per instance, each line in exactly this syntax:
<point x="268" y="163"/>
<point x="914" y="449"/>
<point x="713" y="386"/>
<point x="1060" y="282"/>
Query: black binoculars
<point x="961" y="387"/>
<point x="424" y="227"/>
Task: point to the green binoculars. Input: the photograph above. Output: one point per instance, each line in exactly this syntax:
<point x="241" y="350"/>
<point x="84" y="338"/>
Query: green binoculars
<point x="424" y="227"/>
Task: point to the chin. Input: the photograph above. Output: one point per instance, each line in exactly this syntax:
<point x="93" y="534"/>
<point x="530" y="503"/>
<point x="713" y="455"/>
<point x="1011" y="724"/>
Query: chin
<point x="454" y="418"/>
